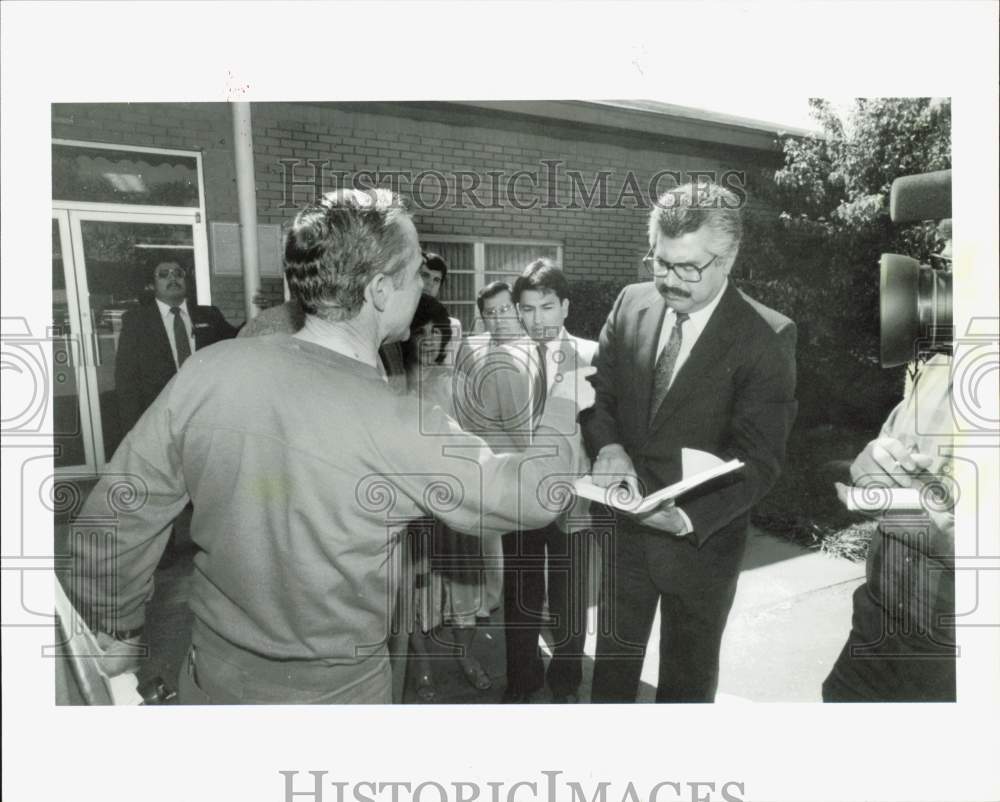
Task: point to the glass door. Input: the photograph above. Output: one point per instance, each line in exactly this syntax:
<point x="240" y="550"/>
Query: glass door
<point x="114" y="256"/>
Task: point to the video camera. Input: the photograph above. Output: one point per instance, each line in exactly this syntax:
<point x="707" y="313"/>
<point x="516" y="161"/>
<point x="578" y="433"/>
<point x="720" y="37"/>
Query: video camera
<point x="915" y="299"/>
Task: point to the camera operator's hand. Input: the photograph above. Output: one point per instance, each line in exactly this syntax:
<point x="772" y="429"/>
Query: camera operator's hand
<point x="614" y="466"/>
<point x="119" y="656"/>
<point x="888" y="462"/>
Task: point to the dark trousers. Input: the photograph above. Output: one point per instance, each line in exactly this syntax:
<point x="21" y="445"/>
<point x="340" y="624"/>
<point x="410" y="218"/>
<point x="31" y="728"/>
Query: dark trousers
<point x="524" y="568"/>
<point x="692" y="619"/>
<point x="884" y="662"/>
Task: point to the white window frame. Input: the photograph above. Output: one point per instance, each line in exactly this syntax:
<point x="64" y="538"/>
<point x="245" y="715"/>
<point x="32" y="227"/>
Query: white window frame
<point x="135" y="208"/>
<point x="479" y="256"/>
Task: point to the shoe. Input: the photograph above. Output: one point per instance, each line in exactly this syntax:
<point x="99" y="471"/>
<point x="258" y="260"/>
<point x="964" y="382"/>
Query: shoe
<point x="564" y="699"/>
<point x="426" y="692"/>
<point x="474" y="674"/>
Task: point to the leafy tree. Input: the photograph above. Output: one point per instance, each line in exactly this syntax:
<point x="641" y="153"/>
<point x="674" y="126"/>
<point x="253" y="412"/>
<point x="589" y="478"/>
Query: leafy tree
<point x="814" y="242"/>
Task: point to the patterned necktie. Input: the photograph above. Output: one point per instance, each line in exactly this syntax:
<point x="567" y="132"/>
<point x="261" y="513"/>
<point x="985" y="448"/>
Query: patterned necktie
<point x="664" y="370"/>
<point x="541" y="387"/>
<point x="180" y="337"/>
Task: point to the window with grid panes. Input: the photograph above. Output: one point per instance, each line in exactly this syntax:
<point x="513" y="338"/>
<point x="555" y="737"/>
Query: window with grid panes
<point x="472" y="264"/>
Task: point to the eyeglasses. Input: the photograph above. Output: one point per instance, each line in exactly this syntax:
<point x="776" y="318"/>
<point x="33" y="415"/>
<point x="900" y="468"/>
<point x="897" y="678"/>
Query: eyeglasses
<point x="496" y="311"/>
<point x="170" y="272"/>
<point x="685" y="272"/>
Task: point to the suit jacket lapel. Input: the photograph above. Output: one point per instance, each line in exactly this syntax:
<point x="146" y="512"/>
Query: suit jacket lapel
<point x="199" y="326"/>
<point x="707" y="354"/>
<point x="647" y="333"/>
<point x="159" y="343"/>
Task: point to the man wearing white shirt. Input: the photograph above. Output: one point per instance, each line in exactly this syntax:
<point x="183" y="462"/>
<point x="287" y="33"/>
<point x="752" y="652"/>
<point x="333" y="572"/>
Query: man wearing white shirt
<point x="548" y="562"/>
<point x="685" y="361"/>
<point x="156" y="339"/>
<point x="502" y="325"/>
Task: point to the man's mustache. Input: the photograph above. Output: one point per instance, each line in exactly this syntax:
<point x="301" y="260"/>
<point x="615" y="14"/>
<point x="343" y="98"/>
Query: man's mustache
<point x="669" y="292"/>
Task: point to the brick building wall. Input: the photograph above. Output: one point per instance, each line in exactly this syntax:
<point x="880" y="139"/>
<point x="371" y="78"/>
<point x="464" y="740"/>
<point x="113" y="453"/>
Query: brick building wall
<point x="598" y="243"/>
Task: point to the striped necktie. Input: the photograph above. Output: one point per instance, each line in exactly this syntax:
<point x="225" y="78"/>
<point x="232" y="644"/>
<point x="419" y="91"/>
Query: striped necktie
<point x="180" y="337"/>
<point x="664" y="370"/>
<point x="540" y="388"/>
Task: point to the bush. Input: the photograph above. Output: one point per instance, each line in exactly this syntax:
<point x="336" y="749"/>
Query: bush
<point x="590" y="304"/>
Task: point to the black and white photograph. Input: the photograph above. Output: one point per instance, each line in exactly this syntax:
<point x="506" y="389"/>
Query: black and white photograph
<point x="397" y="432"/>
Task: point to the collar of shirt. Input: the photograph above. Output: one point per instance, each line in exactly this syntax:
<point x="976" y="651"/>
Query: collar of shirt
<point x="168" y="316"/>
<point x="690" y="332"/>
<point x="168" y="323"/>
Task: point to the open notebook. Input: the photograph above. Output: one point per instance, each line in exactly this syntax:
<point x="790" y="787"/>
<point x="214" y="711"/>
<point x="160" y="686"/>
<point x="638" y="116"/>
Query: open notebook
<point x="697" y="468"/>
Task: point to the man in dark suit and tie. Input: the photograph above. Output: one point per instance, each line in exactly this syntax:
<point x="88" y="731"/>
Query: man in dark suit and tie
<point x="685" y="361"/>
<point x="157" y="338"/>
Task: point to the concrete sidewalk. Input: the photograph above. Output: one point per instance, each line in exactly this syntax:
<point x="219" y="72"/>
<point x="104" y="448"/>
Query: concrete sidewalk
<point x="789" y="621"/>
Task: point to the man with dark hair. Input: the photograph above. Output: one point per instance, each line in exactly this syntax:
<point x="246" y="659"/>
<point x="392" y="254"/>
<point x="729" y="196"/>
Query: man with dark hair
<point x="499" y="315"/>
<point x="434" y="274"/>
<point x="156" y="339"/>
<point x="303" y="468"/>
<point x="549" y="557"/>
<point x="685" y="361"/>
<point x="498" y="312"/>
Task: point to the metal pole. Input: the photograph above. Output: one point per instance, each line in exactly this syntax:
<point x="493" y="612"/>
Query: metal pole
<point x="246" y="191"/>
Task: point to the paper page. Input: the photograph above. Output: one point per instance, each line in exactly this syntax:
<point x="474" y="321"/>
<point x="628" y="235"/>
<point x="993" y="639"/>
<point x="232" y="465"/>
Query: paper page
<point x="689" y="483"/>
<point x="874" y="500"/>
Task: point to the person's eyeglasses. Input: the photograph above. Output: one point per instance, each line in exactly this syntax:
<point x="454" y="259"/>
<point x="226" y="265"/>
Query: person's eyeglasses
<point x="498" y="310"/>
<point x="170" y="272"/>
<point x="685" y="272"/>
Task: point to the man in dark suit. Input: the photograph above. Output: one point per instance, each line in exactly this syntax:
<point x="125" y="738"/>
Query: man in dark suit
<point x="547" y="563"/>
<point x="685" y="361"/>
<point x="156" y="340"/>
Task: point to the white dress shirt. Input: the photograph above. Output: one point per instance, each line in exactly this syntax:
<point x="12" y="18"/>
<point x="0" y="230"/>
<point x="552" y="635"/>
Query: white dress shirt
<point x="690" y="332"/>
<point x="168" y="323"/>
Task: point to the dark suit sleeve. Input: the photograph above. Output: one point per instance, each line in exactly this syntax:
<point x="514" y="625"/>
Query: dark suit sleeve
<point x="221" y="328"/>
<point x="128" y="379"/>
<point x="600" y="422"/>
<point x="764" y="410"/>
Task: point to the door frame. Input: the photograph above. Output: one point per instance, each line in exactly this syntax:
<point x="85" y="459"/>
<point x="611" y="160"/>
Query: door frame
<point x="76" y="354"/>
<point x="81" y="320"/>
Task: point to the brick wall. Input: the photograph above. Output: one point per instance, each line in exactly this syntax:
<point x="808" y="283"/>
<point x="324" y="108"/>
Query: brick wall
<point x="598" y="244"/>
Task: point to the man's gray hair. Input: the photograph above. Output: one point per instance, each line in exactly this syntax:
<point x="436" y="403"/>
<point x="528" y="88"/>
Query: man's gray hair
<point x="335" y="246"/>
<point x="689" y="207"/>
